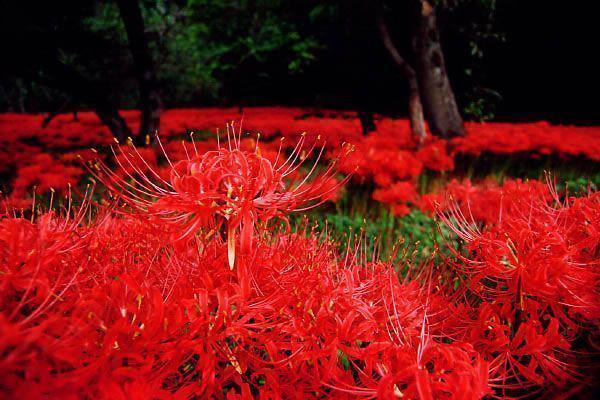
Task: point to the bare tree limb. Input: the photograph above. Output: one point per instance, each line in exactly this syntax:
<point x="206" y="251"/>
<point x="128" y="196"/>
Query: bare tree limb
<point x="415" y="108"/>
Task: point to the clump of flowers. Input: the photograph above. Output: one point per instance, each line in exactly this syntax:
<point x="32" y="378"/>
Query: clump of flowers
<point x="227" y="188"/>
<point x="178" y="285"/>
<point x="387" y="156"/>
<point x="533" y="276"/>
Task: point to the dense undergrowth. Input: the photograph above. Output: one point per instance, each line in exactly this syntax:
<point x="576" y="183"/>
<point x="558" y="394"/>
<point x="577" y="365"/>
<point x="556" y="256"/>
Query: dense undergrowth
<point x="205" y="271"/>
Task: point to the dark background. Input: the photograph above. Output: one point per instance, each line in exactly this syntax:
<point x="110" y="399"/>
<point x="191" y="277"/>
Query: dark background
<point x="507" y="59"/>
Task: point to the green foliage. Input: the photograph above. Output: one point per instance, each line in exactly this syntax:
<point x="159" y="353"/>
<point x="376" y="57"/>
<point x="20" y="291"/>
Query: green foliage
<point x="416" y="234"/>
<point x="356" y="219"/>
<point x="578" y="184"/>
<point x="473" y="23"/>
<point x="482" y="104"/>
<point x="203" y="45"/>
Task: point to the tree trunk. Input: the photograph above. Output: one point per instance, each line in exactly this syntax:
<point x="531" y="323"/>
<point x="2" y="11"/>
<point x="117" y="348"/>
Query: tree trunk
<point x="367" y="122"/>
<point x="435" y="91"/>
<point x="415" y="108"/>
<point x="138" y="44"/>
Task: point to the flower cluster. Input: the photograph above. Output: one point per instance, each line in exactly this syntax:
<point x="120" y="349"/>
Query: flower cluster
<point x="388" y="156"/>
<point x="482" y="202"/>
<point x="182" y="287"/>
<point x="534" y="272"/>
<point x="228" y="188"/>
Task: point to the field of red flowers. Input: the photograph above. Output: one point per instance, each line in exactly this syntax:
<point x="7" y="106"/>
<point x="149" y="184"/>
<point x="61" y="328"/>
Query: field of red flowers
<point x="48" y="157"/>
<point x="178" y="270"/>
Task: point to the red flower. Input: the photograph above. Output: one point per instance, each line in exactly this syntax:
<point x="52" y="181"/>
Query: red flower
<point x="225" y="186"/>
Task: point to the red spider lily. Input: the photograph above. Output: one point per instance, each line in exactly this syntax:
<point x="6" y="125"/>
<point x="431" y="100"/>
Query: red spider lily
<point x="528" y="271"/>
<point x="529" y="249"/>
<point x="535" y="357"/>
<point x="120" y="304"/>
<point x="45" y="173"/>
<point x="435" y="157"/>
<point x="226" y="186"/>
<point x="407" y="358"/>
<point x="387" y="156"/>
<point x="398" y="195"/>
<point x="147" y="316"/>
<point x="41" y="263"/>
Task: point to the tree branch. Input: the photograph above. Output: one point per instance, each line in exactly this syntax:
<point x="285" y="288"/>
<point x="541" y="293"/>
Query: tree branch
<point x="415" y="108"/>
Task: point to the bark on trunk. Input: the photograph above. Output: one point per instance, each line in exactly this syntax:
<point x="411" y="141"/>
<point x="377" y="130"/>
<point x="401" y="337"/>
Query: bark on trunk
<point x="415" y="108"/>
<point x="415" y="111"/>
<point x="435" y="91"/>
<point x="144" y="67"/>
